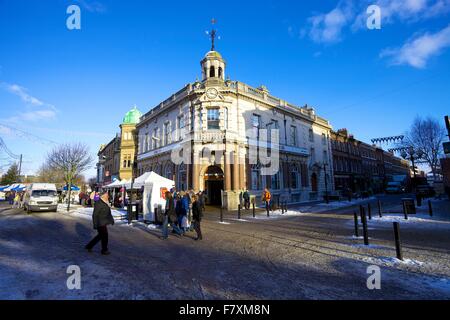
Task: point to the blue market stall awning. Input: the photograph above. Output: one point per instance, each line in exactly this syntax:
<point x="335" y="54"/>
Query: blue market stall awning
<point x="18" y="189"/>
<point x="3" y="188"/>
<point x="73" y="188"/>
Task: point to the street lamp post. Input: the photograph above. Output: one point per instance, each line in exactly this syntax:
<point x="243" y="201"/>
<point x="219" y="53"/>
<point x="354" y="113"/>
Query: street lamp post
<point x="326" y="181"/>
<point x="412" y="155"/>
<point x="324" y="166"/>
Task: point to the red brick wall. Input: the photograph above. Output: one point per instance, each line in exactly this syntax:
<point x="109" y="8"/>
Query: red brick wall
<point x="445" y="163"/>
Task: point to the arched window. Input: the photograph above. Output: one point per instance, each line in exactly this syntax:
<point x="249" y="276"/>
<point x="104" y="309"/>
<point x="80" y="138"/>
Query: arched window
<point x="181" y="177"/>
<point x="220" y="72"/>
<point x="168" y="171"/>
<point x="212" y="72"/>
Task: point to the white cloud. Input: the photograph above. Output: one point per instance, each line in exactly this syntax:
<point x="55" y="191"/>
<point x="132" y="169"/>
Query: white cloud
<point x="35" y="108"/>
<point x="92" y="6"/>
<point x="37" y="115"/>
<point x="327" y="28"/>
<point x="417" y="51"/>
<point x="22" y="93"/>
<point x="406" y="11"/>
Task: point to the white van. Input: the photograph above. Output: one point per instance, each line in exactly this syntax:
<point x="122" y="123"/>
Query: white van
<point x="40" y="197"/>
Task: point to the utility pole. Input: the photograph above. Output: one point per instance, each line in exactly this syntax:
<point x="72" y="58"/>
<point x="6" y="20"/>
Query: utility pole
<point x="20" y="167"/>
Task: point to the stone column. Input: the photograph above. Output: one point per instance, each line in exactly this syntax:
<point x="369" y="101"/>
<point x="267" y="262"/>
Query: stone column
<point x="235" y="172"/>
<point x="227" y="171"/>
<point x="195" y="177"/>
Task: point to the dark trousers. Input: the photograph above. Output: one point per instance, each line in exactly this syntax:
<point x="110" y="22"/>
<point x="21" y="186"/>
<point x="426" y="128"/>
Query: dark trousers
<point x="197" y="229"/>
<point x="101" y="236"/>
<point x="247" y="204"/>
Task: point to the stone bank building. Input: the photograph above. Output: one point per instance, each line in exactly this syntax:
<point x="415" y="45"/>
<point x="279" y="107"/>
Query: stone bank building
<point x="215" y="121"/>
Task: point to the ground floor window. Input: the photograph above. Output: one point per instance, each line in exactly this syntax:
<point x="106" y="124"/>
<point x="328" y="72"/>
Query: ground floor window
<point x="294" y="177"/>
<point x="256" y="177"/>
<point x="275" y="181"/>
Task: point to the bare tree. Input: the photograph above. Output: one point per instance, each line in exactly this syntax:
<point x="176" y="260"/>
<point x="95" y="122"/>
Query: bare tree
<point x="427" y="135"/>
<point x="50" y="175"/>
<point x="71" y="160"/>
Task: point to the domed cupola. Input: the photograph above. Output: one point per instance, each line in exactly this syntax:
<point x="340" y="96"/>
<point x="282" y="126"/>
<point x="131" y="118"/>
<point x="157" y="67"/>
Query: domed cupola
<point x="213" y="65"/>
<point x="132" y="116"/>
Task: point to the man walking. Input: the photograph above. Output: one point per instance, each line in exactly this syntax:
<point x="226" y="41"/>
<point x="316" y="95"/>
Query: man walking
<point x="101" y="218"/>
<point x="197" y="217"/>
<point x="246" y="198"/>
<point x="169" y="211"/>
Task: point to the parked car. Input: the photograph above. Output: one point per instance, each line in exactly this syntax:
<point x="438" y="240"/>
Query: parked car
<point x="41" y="197"/>
<point x="394" y="187"/>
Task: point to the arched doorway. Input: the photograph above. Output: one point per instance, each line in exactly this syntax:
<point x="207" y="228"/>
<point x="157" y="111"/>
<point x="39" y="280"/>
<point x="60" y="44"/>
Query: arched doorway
<point x="213" y="185"/>
<point x="314" y="182"/>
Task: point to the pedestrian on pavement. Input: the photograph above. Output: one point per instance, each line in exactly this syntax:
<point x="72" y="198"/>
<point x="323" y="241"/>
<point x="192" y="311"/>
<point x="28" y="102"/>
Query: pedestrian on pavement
<point x="246" y="197"/>
<point x="10" y="198"/>
<point x="101" y="218"/>
<point x="185" y="202"/>
<point x="22" y="194"/>
<point x="175" y="216"/>
<point x="16" y="203"/>
<point x="266" y="197"/>
<point x="201" y="199"/>
<point x="169" y="211"/>
<point x="197" y="214"/>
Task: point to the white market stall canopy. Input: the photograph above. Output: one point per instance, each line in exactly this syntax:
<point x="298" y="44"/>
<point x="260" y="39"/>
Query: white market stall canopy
<point x="152" y="177"/>
<point x="153" y="196"/>
<point x="14" y="186"/>
<point x="119" y="184"/>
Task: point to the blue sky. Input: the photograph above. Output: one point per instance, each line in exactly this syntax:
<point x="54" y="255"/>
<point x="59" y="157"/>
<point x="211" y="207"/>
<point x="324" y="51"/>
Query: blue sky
<point x="59" y="85"/>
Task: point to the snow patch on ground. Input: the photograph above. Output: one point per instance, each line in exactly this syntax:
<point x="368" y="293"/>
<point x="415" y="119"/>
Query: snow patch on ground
<point x="320" y="207"/>
<point x="401" y="218"/>
<point x="391" y="262"/>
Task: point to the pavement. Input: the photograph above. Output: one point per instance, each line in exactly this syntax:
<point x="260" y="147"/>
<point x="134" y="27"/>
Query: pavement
<point x="309" y="253"/>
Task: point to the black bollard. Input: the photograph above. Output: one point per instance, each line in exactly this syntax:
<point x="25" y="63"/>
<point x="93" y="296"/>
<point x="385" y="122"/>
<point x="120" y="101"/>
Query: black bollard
<point x="253" y="209"/>
<point x="278" y="203"/>
<point x="268" y="208"/>
<point x="355" y="218"/>
<point x="239" y="212"/>
<point x="282" y="208"/>
<point x="364" y="223"/>
<point x="398" y="247"/>
<point x="430" y="208"/>
<point x="379" y="209"/>
<point x="405" y="210"/>
<point x="369" y="211"/>
<point x="221" y="214"/>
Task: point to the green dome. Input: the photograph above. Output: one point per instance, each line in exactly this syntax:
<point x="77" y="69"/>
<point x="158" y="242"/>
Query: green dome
<point x="132" y="116"/>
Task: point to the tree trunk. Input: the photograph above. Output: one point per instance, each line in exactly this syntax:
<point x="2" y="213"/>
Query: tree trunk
<point x="69" y="188"/>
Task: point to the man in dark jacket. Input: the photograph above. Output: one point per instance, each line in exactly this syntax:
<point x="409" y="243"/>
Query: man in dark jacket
<point x="101" y="217"/>
<point x="197" y="217"/>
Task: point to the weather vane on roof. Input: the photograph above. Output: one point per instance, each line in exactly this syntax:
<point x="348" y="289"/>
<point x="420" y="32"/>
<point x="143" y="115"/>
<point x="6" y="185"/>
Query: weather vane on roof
<point x="212" y="34"/>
